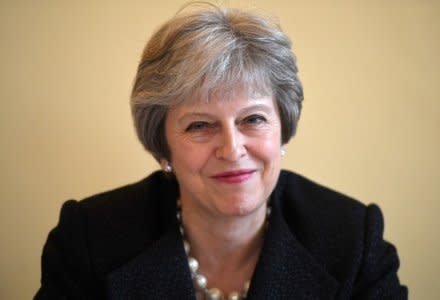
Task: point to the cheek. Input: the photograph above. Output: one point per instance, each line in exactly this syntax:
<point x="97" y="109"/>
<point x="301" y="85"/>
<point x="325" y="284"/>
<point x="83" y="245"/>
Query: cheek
<point x="269" y="147"/>
<point x="190" y="158"/>
<point x="268" y="153"/>
<point x="185" y="156"/>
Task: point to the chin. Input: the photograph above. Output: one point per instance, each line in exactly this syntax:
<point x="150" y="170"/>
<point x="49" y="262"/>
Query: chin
<point x="242" y="208"/>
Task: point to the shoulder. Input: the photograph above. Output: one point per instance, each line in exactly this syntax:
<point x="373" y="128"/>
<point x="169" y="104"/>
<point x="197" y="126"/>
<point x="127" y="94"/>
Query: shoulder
<point x="305" y="198"/>
<point x="144" y="199"/>
<point x="100" y="233"/>
<point x="130" y="194"/>
<point x="343" y="235"/>
<point x="329" y="224"/>
<point x="120" y="223"/>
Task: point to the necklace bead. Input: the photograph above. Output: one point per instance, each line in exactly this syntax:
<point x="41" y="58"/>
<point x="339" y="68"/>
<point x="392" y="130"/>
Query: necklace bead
<point x="246" y="288"/>
<point x="193" y="264"/>
<point x="234" y="296"/>
<point x="186" y="247"/>
<point x="200" y="281"/>
<point x="214" y="294"/>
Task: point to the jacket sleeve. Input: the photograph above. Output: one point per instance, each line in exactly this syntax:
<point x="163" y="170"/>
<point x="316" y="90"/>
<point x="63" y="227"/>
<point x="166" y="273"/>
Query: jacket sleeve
<point x="377" y="278"/>
<point x="66" y="267"/>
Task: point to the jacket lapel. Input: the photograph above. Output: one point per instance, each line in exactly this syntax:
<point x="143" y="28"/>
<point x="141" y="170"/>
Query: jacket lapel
<point x="160" y="272"/>
<point x="286" y="270"/>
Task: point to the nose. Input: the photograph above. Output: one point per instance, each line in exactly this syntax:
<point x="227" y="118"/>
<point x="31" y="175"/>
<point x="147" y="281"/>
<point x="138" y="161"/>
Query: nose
<point x="231" y="146"/>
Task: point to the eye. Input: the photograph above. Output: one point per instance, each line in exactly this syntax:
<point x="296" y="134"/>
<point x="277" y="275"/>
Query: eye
<point x="199" y="125"/>
<point x="255" y="120"/>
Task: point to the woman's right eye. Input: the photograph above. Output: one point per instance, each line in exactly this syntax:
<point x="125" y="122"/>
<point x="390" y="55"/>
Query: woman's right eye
<point x="195" y="126"/>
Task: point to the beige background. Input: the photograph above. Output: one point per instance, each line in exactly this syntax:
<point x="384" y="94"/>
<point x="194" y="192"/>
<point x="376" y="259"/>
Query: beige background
<point x="370" y="124"/>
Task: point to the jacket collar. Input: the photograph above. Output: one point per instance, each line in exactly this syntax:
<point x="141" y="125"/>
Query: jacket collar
<point x="285" y="270"/>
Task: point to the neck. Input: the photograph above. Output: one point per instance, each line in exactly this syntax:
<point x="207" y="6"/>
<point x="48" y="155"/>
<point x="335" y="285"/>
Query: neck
<point x="215" y="236"/>
<point x="227" y="249"/>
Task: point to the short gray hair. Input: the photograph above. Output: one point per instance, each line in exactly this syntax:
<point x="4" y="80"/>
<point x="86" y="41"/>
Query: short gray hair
<point x="207" y="51"/>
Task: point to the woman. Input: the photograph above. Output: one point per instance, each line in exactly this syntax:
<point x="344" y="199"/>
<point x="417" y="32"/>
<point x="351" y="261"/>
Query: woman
<point x="216" y="97"/>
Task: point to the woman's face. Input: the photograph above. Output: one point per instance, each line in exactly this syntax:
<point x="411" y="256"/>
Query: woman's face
<point x="225" y="154"/>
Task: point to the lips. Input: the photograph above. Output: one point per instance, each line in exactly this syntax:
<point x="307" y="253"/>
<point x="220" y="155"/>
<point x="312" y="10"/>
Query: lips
<point x="235" y="176"/>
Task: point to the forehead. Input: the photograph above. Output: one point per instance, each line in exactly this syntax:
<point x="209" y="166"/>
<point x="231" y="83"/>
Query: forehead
<point x="208" y="91"/>
<point x="229" y="106"/>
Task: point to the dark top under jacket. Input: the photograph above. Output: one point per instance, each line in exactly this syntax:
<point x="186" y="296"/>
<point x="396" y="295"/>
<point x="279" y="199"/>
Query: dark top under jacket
<point x="125" y="244"/>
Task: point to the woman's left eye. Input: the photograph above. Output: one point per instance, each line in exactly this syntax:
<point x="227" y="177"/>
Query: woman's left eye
<point x="255" y="119"/>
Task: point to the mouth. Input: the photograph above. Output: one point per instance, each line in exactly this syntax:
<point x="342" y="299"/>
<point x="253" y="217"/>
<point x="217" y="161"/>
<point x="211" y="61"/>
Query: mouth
<point x="235" y="176"/>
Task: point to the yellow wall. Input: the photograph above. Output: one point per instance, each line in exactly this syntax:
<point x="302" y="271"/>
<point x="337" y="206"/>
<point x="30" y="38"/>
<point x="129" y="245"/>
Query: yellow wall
<point x="370" y="124"/>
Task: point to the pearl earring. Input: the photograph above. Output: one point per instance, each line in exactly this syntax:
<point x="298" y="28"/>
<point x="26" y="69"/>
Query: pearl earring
<point x="167" y="168"/>
<point x="283" y="151"/>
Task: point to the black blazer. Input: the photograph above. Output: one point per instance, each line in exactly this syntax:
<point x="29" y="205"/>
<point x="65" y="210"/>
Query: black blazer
<point x="125" y="244"/>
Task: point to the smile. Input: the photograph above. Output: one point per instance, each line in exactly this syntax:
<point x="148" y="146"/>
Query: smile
<point x="236" y="176"/>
